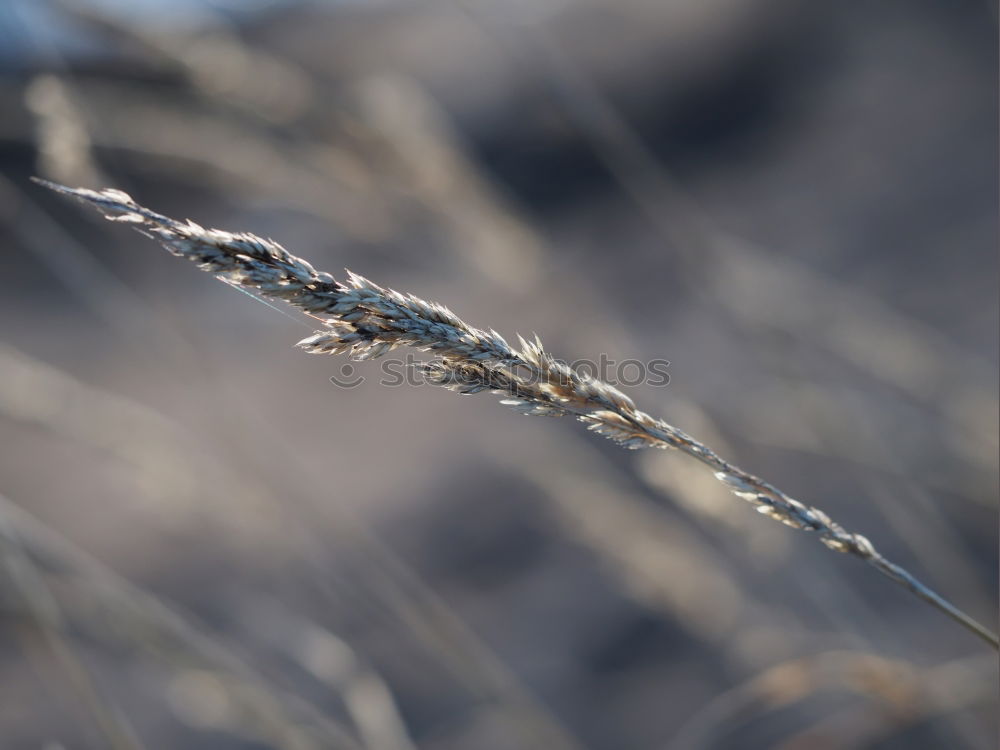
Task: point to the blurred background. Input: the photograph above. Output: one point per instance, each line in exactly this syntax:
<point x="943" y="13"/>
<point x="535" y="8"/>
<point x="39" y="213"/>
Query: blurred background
<point x="206" y="544"/>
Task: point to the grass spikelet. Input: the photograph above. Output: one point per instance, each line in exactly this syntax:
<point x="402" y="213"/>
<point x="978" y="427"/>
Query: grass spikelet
<point x="365" y="320"/>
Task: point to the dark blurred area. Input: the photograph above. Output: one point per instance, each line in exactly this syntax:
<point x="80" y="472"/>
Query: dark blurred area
<point x="205" y="544"/>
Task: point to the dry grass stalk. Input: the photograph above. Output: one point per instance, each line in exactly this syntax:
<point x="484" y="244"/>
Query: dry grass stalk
<point x="903" y="693"/>
<point x="366" y="321"/>
<point x="31" y="593"/>
<point x="113" y="611"/>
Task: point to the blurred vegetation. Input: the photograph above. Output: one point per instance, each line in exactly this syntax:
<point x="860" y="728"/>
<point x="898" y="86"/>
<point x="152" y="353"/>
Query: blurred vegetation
<point x="794" y="204"/>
